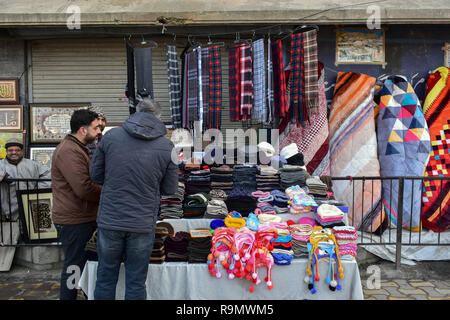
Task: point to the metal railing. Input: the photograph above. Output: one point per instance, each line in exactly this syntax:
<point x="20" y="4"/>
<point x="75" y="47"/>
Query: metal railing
<point x="36" y="228"/>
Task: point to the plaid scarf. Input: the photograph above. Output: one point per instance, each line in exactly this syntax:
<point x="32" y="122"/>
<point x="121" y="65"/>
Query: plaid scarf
<point x="279" y="81"/>
<point x="259" y="108"/>
<point x="246" y="74"/>
<point x="234" y="83"/>
<point x="311" y="65"/>
<point x="191" y="89"/>
<point x="215" y="87"/>
<point x="297" y="101"/>
<point x="174" y="86"/>
<point x="270" y="101"/>
<point x="200" y="86"/>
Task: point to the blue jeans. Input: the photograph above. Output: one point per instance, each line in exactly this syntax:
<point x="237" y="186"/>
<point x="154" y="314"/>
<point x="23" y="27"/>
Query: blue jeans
<point x="135" y="250"/>
<point x="73" y="238"/>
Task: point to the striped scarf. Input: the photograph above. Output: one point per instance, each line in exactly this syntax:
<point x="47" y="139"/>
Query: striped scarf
<point x="174" y="86"/>
<point x="234" y="83"/>
<point x="311" y="65"/>
<point x="215" y="87"/>
<point x="190" y="92"/>
<point x="205" y="87"/>
<point x="270" y="101"/>
<point x="279" y="81"/>
<point x="259" y="108"/>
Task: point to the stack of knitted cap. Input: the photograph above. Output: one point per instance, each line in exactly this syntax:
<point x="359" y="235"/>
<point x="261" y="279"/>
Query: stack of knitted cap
<point x="346" y="238"/>
<point x="264" y="202"/>
<point x="163" y="230"/>
<point x="317" y="188"/>
<point x="244" y="177"/>
<point x="222" y="178"/>
<point x="171" y="205"/>
<point x="195" y="205"/>
<point x="199" y="246"/>
<point x="216" y="209"/>
<point x="282" y="244"/>
<point x="291" y="175"/>
<point x="267" y="178"/>
<point x="280" y="201"/>
<point x="241" y="200"/>
<point x="176" y="246"/>
<point x="329" y="216"/>
<point x="198" y="181"/>
<point x="300" y="233"/>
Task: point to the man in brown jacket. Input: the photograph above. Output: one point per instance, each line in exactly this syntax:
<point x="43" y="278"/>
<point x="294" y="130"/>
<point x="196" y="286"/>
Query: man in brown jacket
<point x="75" y="197"/>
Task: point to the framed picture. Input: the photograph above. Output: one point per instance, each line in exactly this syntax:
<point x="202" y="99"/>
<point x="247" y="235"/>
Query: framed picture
<point x="43" y="155"/>
<point x="6" y="135"/>
<point x="35" y="211"/>
<point x="446" y="49"/>
<point x="11" y="118"/>
<point x="9" y="91"/>
<point x="360" y="46"/>
<point x="50" y="123"/>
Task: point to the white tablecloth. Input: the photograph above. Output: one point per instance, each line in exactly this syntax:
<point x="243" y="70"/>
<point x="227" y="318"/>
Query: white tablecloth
<point x="185" y="281"/>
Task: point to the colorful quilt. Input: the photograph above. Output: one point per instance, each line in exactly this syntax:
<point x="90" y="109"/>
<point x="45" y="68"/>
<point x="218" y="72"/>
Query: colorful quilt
<point x="353" y="150"/>
<point x="436" y="194"/>
<point x="403" y="148"/>
<point x="312" y="138"/>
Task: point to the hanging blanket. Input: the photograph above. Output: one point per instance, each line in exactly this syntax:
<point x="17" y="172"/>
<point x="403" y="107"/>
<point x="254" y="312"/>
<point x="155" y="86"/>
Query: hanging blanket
<point x="312" y="138"/>
<point x="353" y="149"/>
<point x="436" y="195"/>
<point x="403" y="148"/>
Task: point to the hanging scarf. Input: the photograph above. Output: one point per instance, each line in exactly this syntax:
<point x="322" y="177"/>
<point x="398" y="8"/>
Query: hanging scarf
<point x="205" y="87"/>
<point x="174" y="86"/>
<point x="279" y="81"/>
<point x="191" y="89"/>
<point x="270" y="101"/>
<point x="296" y="81"/>
<point x="215" y="87"/>
<point x="144" y="80"/>
<point x="234" y="83"/>
<point x="259" y="108"/>
<point x="130" y="88"/>
<point x="246" y="77"/>
<point x="310" y="71"/>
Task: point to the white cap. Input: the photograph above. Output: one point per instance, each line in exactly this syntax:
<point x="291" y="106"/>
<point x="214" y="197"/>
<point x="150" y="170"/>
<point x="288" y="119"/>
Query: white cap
<point x="289" y="151"/>
<point x="267" y="148"/>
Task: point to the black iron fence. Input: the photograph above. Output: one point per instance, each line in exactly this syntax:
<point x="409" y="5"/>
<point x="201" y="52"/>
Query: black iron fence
<point x="25" y="218"/>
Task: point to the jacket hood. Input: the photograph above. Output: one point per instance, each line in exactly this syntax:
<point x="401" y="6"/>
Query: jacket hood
<point x="145" y="126"/>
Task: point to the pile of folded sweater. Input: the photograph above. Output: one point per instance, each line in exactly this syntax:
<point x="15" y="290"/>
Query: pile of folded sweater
<point x="171" y="205"/>
<point x="176" y="246"/>
<point x="241" y="200"/>
<point x="198" y="181"/>
<point x="199" y="247"/>
<point x="222" y="178"/>
<point x="244" y="177"/>
<point x="163" y="230"/>
<point x="317" y="188"/>
<point x="291" y="175"/>
<point x="267" y="178"/>
<point x="195" y="205"/>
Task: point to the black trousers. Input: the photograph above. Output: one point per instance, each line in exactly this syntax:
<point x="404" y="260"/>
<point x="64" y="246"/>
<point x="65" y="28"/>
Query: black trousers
<point x="73" y="238"/>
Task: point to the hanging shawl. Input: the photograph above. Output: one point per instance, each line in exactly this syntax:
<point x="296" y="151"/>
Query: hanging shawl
<point x="215" y="87"/>
<point x="234" y="83"/>
<point x="353" y="149"/>
<point x="270" y="100"/>
<point x="279" y="81"/>
<point x="144" y="80"/>
<point x="403" y="148"/>
<point x="246" y="77"/>
<point x="310" y="66"/>
<point x="436" y="195"/>
<point x="296" y="86"/>
<point x="311" y="139"/>
<point x="190" y="90"/>
<point x="205" y="87"/>
<point x="130" y="88"/>
<point x="174" y="86"/>
<point x="259" y="78"/>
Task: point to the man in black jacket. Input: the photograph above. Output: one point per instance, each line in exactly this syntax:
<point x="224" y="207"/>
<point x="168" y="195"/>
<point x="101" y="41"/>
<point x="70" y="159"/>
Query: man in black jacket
<point x="133" y="163"/>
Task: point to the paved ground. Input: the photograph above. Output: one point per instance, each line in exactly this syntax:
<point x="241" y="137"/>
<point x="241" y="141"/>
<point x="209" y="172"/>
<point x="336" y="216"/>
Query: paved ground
<point x="426" y="281"/>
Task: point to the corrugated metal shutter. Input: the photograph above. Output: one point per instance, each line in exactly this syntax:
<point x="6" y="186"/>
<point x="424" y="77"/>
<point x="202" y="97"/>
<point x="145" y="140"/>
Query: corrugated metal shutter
<point x="94" y="70"/>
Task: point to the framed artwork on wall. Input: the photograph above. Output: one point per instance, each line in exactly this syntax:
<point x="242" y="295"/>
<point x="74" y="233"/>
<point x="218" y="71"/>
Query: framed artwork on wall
<point x="9" y="91"/>
<point x="35" y="212"/>
<point x="11" y="118"/>
<point x="6" y="135"/>
<point x="50" y="123"/>
<point x="43" y="155"/>
<point x="360" y="46"/>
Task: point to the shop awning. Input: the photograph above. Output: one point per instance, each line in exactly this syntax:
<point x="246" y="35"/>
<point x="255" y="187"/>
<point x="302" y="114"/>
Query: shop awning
<point x="20" y="13"/>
